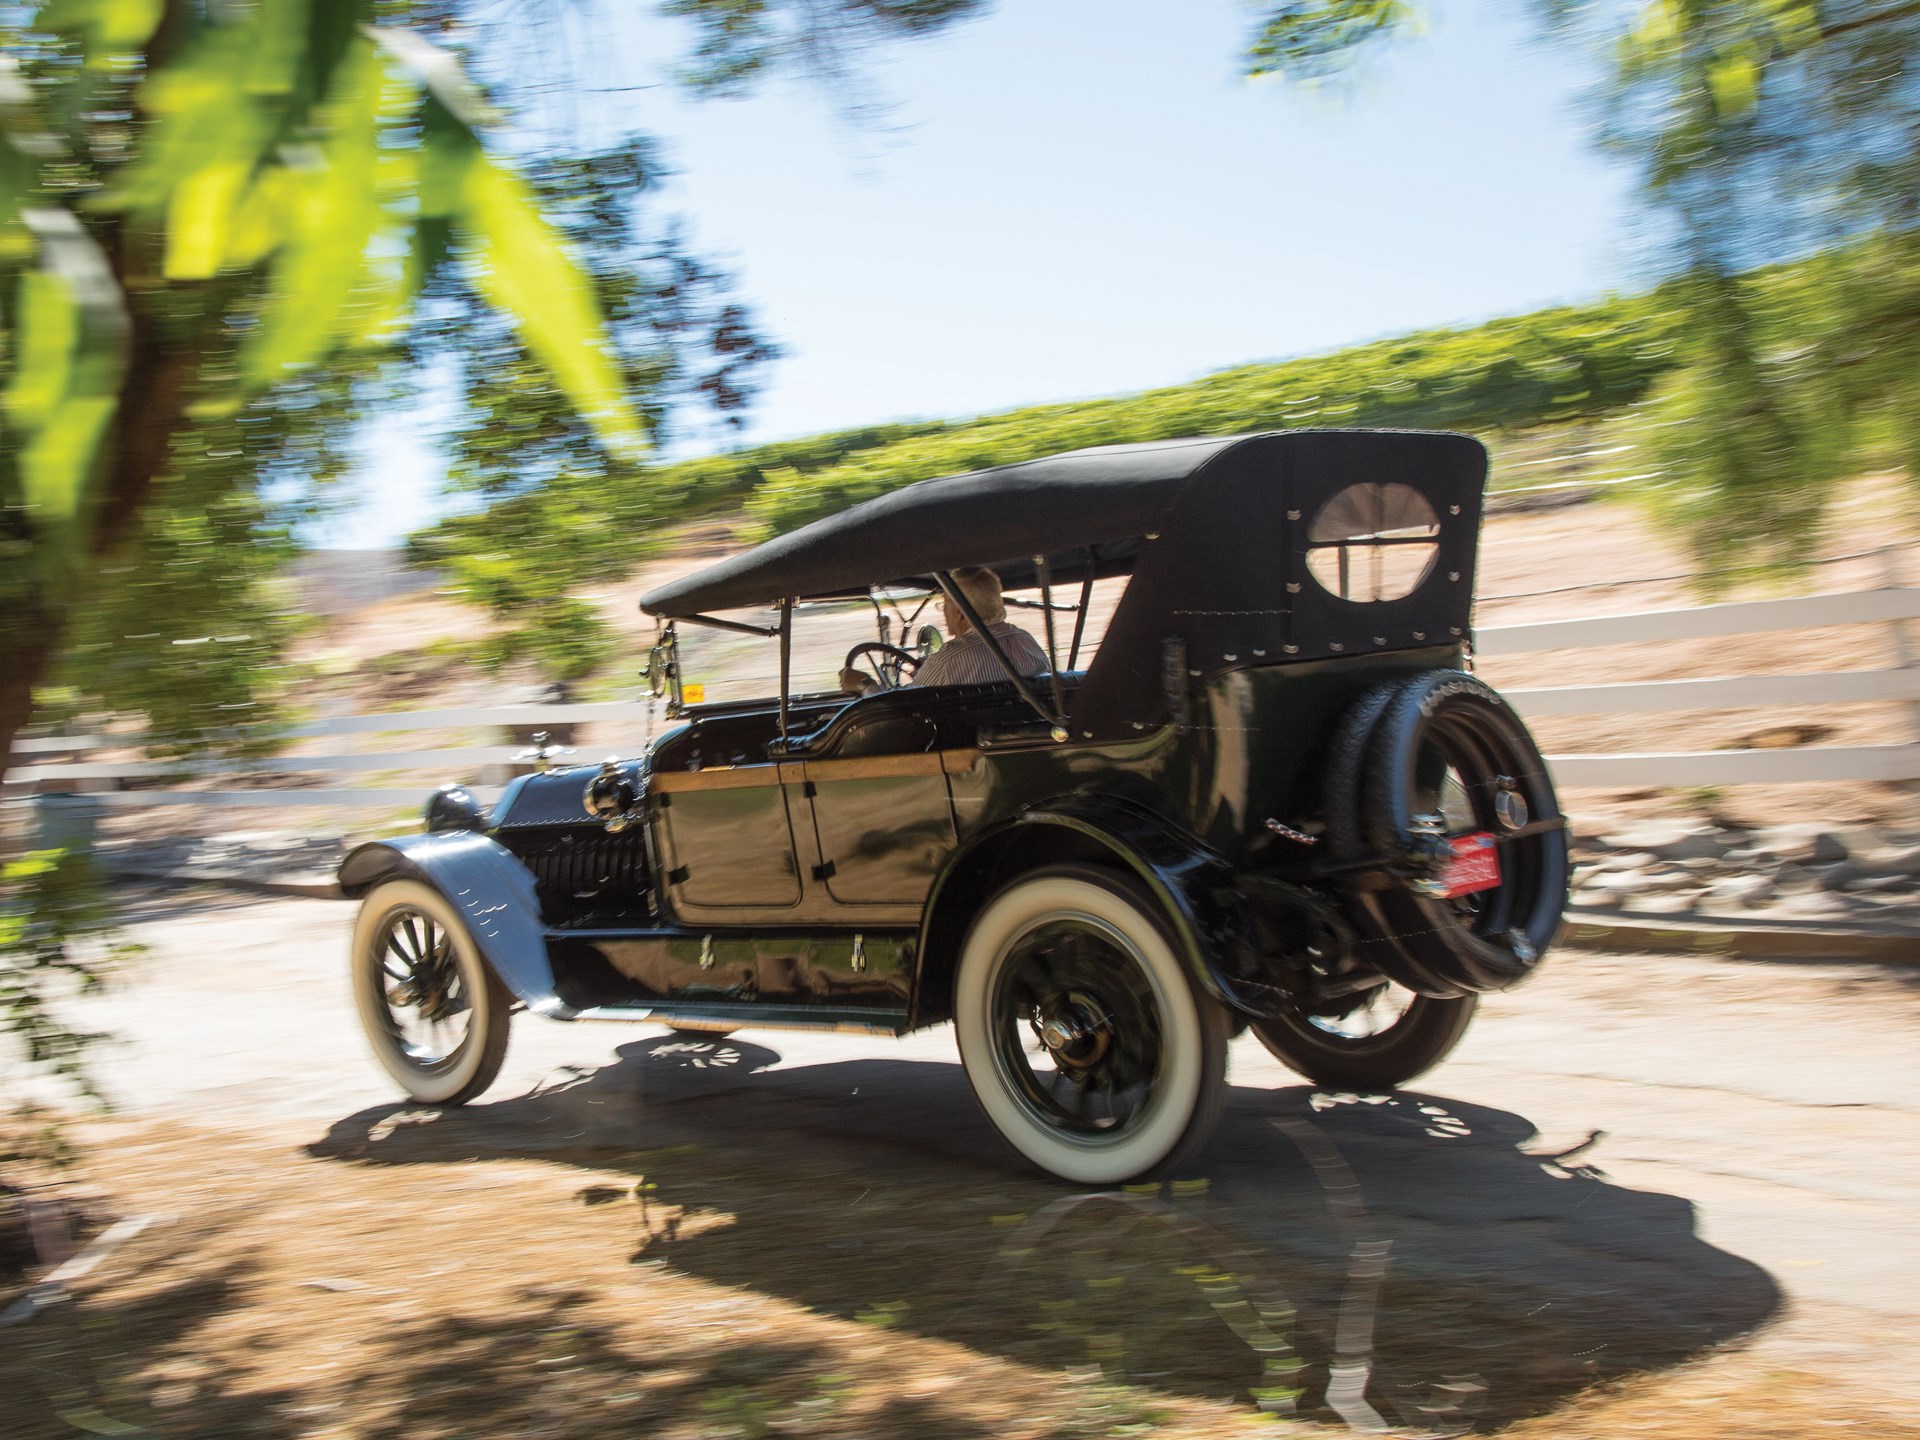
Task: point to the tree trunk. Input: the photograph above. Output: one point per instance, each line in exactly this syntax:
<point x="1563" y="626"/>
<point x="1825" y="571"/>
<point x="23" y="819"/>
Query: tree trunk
<point x="150" y="408"/>
<point x="32" y="644"/>
<point x="150" y="411"/>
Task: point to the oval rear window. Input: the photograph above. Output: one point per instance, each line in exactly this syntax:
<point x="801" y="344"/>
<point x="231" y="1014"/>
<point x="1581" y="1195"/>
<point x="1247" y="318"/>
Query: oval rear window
<point x="1373" y="542"/>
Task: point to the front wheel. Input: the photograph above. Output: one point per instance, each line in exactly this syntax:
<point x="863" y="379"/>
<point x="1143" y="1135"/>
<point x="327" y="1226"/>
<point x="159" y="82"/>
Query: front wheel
<point x="1383" y="1038"/>
<point x="432" y="1010"/>
<point x="1081" y="1033"/>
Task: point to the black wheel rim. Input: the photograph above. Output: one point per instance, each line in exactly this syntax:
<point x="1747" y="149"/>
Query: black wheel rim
<point x="1462" y="775"/>
<point x="425" y="1000"/>
<point x="1077" y="1029"/>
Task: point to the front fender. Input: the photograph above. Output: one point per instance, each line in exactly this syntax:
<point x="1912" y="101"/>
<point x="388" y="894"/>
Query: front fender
<point x="491" y="889"/>
<point x="1194" y="886"/>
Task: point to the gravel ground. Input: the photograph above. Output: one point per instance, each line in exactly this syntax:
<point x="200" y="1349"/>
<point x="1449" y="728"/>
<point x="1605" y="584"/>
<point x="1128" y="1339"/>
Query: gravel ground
<point x="783" y="1233"/>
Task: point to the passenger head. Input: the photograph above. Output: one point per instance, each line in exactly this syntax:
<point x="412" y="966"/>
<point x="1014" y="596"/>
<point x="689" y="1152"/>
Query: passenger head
<point x="982" y="589"/>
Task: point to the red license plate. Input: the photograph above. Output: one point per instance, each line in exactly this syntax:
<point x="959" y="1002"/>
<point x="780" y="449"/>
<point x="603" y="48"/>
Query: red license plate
<point x="1475" y="865"/>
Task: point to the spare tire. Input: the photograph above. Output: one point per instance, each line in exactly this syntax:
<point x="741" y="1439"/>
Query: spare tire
<point x="1444" y="744"/>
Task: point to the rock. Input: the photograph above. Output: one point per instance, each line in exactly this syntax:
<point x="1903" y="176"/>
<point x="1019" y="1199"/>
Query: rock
<point x="1619" y="883"/>
<point x="1675" y="903"/>
<point x="1793" y="880"/>
<point x="1835" y="877"/>
<point x="1673" y="840"/>
<point x="1827" y="848"/>
<point x="1890" y="860"/>
<point x="1803" y="844"/>
<point x="1670" y="877"/>
<point x="1879" y="884"/>
<point x="1745" y="891"/>
<point x="1814" y="905"/>
<point x="1872" y="907"/>
<point x="1622" y="860"/>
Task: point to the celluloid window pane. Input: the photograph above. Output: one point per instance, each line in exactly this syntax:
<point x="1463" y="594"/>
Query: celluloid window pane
<point x="1365" y="511"/>
<point x="1373" y="542"/>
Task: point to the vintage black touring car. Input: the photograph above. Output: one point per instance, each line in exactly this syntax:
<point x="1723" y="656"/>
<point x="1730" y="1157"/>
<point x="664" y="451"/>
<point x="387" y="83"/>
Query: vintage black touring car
<point x="1275" y="798"/>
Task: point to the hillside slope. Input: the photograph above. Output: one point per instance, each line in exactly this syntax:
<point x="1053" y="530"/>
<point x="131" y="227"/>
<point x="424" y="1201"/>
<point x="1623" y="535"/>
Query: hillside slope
<point x="1530" y="385"/>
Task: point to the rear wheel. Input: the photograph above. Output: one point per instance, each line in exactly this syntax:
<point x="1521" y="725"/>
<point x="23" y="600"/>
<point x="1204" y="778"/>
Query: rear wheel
<point x="1446" y="759"/>
<point x="434" y="1013"/>
<point x="1382" y="1038"/>
<point x="1084" y="1039"/>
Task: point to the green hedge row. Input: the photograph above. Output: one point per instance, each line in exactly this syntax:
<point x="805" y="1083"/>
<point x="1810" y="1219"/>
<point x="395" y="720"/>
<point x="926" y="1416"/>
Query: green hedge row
<point x="1510" y="374"/>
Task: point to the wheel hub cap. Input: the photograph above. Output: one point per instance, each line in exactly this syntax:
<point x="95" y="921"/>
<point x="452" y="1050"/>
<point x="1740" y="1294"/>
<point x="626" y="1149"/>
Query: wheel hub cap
<point x="1075" y="1038"/>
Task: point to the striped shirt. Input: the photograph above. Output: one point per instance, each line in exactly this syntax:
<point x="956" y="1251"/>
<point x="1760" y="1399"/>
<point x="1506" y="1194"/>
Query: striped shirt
<point x="968" y="661"/>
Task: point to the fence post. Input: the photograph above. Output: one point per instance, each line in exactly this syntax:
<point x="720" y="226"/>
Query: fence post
<point x="1903" y="650"/>
<point x="64" y="821"/>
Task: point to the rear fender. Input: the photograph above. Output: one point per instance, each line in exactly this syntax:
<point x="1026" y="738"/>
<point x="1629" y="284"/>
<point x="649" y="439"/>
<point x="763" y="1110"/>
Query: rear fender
<point x="490" y="888"/>
<point x="1194" y="888"/>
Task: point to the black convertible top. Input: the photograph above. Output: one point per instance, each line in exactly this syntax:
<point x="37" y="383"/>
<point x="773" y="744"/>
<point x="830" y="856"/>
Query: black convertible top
<point x="1109" y="495"/>
<point x="1245" y="551"/>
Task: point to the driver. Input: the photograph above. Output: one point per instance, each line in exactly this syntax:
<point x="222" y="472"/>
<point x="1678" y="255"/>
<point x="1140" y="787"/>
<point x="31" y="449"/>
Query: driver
<point x="965" y="658"/>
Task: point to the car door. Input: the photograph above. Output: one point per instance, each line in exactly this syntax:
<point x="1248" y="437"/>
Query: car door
<point x="882" y="816"/>
<point x="726" y="842"/>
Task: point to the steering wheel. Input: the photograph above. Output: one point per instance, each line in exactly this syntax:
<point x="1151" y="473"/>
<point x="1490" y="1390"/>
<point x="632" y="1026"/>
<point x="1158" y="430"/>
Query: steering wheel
<point x="887" y="662"/>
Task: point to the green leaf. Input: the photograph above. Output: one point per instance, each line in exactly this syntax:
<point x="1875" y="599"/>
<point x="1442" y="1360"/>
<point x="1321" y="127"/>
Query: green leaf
<point x="522" y="267"/>
<point x="1735" y="81"/>
<point x="200" y="118"/>
<point x="447" y="152"/>
<point x="280" y="30"/>
<point x="258" y="225"/>
<point x="46" y="333"/>
<point x="110" y="30"/>
<point x="333" y="217"/>
<point x="1795" y="23"/>
<point x="54" y="467"/>
<point x="200" y="218"/>
<point x="70" y="327"/>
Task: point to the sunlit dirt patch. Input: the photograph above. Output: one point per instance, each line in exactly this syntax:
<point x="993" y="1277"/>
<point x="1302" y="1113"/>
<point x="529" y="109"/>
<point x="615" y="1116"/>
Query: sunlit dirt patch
<point x="749" y="1272"/>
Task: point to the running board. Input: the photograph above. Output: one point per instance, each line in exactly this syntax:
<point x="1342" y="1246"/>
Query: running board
<point x="751" y="1016"/>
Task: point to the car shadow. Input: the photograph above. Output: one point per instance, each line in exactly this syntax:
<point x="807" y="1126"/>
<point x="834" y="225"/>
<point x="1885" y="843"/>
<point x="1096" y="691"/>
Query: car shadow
<point x="1398" y="1258"/>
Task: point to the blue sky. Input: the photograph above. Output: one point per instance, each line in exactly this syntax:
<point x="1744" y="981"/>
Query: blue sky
<point x="1081" y="197"/>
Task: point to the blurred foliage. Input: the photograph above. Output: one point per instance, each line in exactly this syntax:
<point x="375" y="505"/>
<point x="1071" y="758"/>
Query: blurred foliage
<point x="213" y="224"/>
<point x="229" y="232"/>
<point x="1315" y="39"/>
<point x="187" y="621"/>
<point x="57" y="938"/>
<point x="1763" y="131"/>
<point x="739" y="42"/>
<point x="558" y="511"/>
<point x="562" y="509"/>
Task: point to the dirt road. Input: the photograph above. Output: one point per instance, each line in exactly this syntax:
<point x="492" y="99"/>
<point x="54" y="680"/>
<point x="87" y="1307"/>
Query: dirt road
<point x="1752" y="1187"/>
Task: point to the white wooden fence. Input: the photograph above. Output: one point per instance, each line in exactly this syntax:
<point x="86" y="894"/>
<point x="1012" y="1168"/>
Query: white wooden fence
<point x="1893" y="605"/>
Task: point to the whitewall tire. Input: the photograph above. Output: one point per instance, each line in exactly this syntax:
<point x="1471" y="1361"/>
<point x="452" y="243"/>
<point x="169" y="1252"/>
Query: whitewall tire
<point x="432" y="1010"/>
<point x="1085" y="1040"/>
